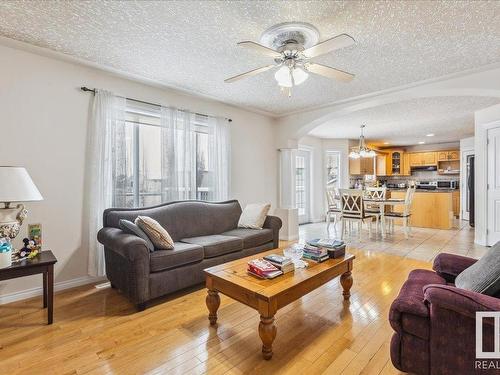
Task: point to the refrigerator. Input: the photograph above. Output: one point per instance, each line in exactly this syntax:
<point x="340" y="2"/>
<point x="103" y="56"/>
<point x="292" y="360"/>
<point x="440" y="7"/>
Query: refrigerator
<point x="470" y="188"/>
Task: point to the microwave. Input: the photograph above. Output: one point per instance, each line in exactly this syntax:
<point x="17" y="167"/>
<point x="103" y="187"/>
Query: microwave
<point x="447" y="184"/>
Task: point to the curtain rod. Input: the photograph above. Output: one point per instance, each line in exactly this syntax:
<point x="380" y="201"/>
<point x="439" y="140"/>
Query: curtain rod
<point x="86" y="89"/>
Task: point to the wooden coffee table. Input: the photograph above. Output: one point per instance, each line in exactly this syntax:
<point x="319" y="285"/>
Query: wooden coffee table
<point x="267" y="296"/>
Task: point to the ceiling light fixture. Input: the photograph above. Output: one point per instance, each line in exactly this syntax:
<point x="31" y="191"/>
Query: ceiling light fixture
<point x="386" y="143"/>
<point x="421" y="142"/>
<point x="362" y="151"/>
<point x="430" y="135"/>
<point x="289" y="76"/>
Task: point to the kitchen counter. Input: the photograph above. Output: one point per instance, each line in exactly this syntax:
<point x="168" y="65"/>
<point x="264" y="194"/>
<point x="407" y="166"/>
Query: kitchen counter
<point x="431" y="208"/>
<point x="426" y="191"/>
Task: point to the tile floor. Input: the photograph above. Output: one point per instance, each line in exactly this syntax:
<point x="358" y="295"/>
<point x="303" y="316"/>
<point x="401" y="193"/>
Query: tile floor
<point x="423" y="244"/>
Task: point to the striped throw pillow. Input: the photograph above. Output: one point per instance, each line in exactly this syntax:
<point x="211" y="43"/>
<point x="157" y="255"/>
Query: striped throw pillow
<point x="156" y="233"/>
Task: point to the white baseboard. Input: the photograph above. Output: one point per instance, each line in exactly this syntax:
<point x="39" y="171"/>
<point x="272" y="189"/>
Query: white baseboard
<point x="33" y="292"/>
<point x="290" y="238"/>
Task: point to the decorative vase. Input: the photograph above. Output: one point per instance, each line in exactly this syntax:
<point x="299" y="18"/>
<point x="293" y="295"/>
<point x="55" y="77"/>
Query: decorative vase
<point x="11" y="220"/>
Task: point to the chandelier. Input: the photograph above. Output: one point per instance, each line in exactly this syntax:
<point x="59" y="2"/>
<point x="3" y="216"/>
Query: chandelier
<point x="362" y="151"/>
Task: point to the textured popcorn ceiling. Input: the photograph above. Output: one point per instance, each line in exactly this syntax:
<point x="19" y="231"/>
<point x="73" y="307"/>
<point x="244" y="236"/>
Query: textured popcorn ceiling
<point x="192" y="44"/>
<point x="408" y="122"/>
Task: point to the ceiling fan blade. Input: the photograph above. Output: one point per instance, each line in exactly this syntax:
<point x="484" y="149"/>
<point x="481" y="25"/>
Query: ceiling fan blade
<point x="260" y="48"/>
<point x="337" y="42"/>
<point x="249" y="74"/>
<point x="329" y="72"/>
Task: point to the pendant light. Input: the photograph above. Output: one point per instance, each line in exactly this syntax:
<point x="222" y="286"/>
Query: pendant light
<point x="362" y="151"/>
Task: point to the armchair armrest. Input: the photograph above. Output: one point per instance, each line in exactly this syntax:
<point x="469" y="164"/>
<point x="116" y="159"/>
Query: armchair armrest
<point x="461" y="301"/>
<point x="274" y="223"/>
<point x="448" y="266"/>
<point x="453" y="327"/>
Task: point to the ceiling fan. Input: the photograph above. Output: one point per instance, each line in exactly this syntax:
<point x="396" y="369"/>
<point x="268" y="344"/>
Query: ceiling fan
<point x="292" y="45"/>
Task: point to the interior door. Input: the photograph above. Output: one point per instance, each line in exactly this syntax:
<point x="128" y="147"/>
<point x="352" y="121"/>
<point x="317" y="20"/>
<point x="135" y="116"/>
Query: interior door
<point x="302" y="185"/>
<point x="493" y="234"/>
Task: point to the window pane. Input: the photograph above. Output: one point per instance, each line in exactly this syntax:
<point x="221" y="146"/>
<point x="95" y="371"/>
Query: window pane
<point x="300" y="188"/>
<point x="203" y="175"/>
<point x="149" y="165"/>
<point x="333" y="169"/>
<point x="122" y="169"/>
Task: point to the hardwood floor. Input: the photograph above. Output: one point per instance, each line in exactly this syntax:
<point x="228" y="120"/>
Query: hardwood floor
<point x="97" y="331"/>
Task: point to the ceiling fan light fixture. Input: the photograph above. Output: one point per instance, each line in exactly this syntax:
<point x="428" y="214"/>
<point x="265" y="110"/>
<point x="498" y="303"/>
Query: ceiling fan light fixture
<point x="283" y="77"/>
<point x="299" y="76"/>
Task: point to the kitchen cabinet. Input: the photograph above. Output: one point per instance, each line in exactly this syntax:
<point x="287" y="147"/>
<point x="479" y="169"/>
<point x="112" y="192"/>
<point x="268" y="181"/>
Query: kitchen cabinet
<point x="428" y="209"/>
<point x="381" y="164"/>
<point x="449" y="162"/>
<point x="362" y="166"/>
<point x="419" y="159"/>
<point x="397" y="163"/>
<point x="456" y="203"/>
<point x="448" y="155"/>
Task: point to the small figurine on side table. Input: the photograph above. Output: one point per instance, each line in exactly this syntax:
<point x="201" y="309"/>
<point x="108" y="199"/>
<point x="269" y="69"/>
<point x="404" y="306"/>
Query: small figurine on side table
<point x="30" y="249"/>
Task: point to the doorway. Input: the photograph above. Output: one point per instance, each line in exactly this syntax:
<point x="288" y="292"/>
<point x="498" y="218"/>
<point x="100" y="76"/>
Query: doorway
<point x="302" y="185"/>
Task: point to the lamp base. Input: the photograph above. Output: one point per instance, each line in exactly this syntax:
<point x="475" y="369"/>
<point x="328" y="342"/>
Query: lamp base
<point x="11" y="220"/>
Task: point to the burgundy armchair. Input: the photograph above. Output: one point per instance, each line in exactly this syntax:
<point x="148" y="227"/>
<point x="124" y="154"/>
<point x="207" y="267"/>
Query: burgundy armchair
<point x="434" y="322"/>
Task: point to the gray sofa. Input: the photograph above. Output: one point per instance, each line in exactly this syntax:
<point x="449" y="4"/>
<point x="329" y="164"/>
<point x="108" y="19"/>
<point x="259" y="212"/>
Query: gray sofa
<point x="205" y="234"/>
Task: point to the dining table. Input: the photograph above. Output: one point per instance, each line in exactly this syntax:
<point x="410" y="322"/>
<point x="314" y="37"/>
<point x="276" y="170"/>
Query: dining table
<point x="382" y="203"/>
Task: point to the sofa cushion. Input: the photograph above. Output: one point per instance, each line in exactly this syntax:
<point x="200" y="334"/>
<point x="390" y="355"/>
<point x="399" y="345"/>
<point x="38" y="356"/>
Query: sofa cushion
<point x="251" y="237"/>
<point x="131" y="228"/>
<point x="484" y="275"/>
<point x="254" y="215"/>
<point x="183" y="219"/>
<point x="181" y="254"/>
<point x="217" y="244"/>
<point x="156" y="233"/>
<point x="409" y="313"/>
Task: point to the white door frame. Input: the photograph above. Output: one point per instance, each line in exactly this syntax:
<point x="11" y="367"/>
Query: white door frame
<point x="464" y="215"/>
<point x="493" y="196"/>
<point x="307" y="153"/>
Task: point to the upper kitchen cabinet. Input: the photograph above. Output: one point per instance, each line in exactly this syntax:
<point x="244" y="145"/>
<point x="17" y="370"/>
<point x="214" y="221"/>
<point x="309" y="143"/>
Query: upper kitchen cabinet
<point x="397" y="163"/>
<point x="362" y="166"/>
<point x="449" y="162"/>
<point x="448" y="155"/>
<point x="419" y="159"/>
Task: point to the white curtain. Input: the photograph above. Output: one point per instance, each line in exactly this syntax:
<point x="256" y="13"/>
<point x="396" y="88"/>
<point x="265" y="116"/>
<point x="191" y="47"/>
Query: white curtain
<point x="219" y="158"/>
<point x="107" y="180"/>
<point x="178" y="155"/>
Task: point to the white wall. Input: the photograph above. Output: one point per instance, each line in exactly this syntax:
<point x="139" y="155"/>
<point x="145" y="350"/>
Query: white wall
<point x="484" y="119"/>
<point x="44" y="126"/>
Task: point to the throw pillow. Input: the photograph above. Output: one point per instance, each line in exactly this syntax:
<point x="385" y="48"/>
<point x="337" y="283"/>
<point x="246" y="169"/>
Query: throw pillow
<point x="254" y="215"/>
<point x="130" y="228"/>
<point x="484" y="275"/>
<point x="156" y="233"/>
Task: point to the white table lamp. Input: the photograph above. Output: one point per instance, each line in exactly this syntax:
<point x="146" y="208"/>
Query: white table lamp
<point x="16" y="186"/>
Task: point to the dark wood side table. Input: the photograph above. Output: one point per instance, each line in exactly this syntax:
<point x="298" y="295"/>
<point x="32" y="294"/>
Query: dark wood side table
<point x="42" y="263"/>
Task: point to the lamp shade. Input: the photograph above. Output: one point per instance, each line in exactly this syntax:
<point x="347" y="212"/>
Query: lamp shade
<point x="16" y="185"/>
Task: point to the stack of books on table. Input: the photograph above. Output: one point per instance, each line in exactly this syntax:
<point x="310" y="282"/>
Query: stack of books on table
<point x="281" y="262"/>
<point x="263" y="269"/>
<point x="333" y="248"/>
<point x="314" y="253"/>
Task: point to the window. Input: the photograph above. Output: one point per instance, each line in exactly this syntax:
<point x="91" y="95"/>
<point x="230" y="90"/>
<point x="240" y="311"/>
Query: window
<point x="300" y="184"/>
<point x="332" y="169"/>
<point x="141" y="161"/>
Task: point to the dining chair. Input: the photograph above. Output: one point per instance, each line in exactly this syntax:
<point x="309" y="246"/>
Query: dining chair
<point x="372" y="208"/>
<point x="334" y="209"/>
<point x="404" y="215"/>
<point x="353" y="210"/>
